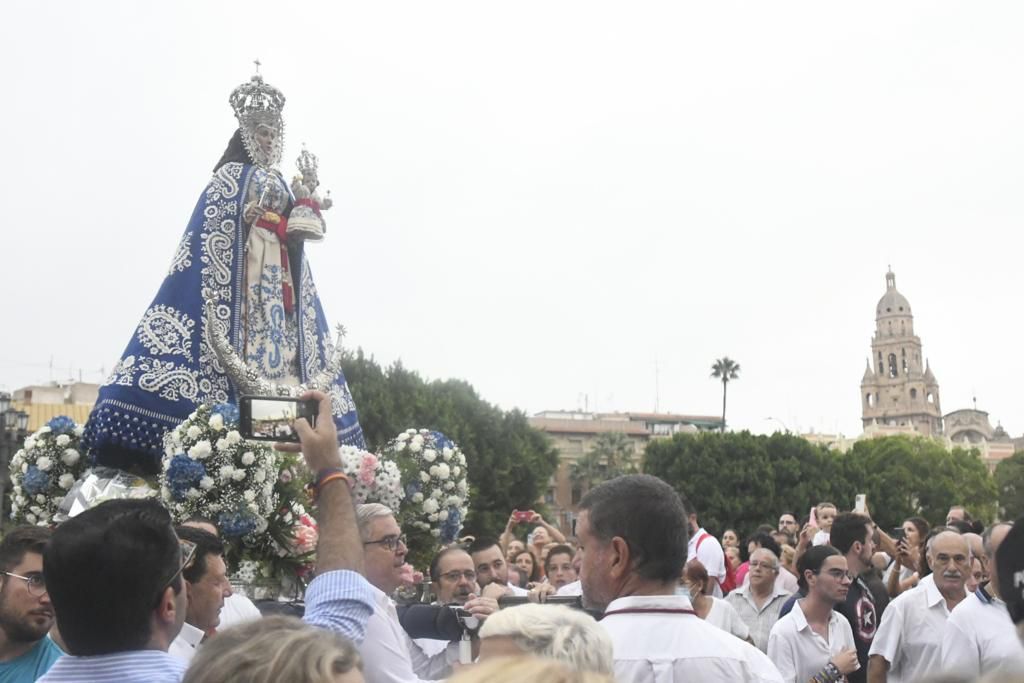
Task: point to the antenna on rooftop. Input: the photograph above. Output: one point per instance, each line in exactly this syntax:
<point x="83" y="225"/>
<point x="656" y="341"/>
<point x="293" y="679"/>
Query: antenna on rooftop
<point x="657" y="388"/>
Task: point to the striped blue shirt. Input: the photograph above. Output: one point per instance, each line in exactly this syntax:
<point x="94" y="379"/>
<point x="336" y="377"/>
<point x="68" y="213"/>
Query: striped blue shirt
<point x="340" y="601"/>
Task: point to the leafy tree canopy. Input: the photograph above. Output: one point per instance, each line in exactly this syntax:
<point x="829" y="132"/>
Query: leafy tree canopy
<point x="509" y="462"/>
<point x="1009" y="478"/>
<point x="737" y="480"/>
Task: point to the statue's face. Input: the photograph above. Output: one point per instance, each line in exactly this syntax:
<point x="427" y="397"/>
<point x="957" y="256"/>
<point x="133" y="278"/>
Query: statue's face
<point x="265" y="136"/>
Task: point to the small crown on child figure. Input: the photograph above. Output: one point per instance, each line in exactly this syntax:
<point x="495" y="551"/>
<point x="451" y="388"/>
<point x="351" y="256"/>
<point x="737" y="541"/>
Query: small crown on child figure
<point x="307" y="162"/>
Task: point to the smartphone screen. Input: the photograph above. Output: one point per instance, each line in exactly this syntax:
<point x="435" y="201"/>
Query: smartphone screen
<point x="270" y="419"/>
<point x="898" y="534"/>
<point x="860" y="506"/>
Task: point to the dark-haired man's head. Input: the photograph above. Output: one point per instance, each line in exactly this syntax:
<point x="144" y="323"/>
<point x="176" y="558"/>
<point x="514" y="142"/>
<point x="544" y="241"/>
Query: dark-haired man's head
<point x="453" y="575"/>
<point x="114" y="576"/>
<point x="558" y="566"/>
<point x="763" y="539"/>
<point x="26" y="614"/>
<point x="206" y="579"/>
<point x="632" y="533"/>
<point x="853" y="536"/>
<point x="824" y="574"/>
<point x="489" y="562"/>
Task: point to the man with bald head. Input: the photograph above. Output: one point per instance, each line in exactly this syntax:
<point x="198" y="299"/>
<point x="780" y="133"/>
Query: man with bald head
<point x="909" y="641"/>
<point x="980" y="637"/>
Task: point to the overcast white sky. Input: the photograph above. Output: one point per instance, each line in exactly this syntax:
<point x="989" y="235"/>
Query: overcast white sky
<point x="548" y="198"/>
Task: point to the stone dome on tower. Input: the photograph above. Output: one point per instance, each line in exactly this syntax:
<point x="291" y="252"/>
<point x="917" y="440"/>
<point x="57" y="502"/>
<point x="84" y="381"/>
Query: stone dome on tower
<point x="892" y="303"/>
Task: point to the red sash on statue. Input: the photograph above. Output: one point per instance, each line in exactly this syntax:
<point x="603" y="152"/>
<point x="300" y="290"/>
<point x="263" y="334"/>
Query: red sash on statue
<point x="278" y="224"/>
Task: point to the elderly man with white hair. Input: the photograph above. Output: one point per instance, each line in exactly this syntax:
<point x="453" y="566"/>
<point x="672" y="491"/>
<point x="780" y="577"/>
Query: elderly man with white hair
<point x="552" y="631"/>
<point x="980" y="637"/>
<point x="389" y="653"/>
<point x="908" y="644"/>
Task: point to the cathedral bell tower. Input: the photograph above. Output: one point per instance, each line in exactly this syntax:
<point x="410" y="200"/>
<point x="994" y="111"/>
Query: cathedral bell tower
<point x="898" y="391"/>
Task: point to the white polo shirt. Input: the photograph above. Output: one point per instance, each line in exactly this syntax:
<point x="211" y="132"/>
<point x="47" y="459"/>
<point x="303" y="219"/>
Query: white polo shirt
<point x="910" y="635"/>
<point x="711" y="555"/>
<point x="799" y="651"/>
<point x="980" y="638"/>
<point x="658" y="639"/>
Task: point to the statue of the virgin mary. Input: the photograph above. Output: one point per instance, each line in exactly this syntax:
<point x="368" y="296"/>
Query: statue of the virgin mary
<point x="237" y="311"/>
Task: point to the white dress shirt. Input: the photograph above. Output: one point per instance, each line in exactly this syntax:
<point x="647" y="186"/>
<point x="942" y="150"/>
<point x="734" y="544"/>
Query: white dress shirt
<point x="980" y="638"/>
<point x="724" y="616"/>
<point x="799" y="651"/>
<point x="390" y="655"/>
<point x="710" y="555"/>
<point x="758" y="619"/>
<point x="658" y="639"/>
<point x="184" y="646"/>
<point x="910" y="635"/>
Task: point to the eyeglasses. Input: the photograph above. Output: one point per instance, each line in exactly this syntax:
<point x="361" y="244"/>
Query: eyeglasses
<point x="765" y="565"/>
<point x="840" y="574"/>
<point x="188" y="558"/>
<point x="455" y="575"/>
<point x="390" y="543"/>
<point x="36" y="582"/>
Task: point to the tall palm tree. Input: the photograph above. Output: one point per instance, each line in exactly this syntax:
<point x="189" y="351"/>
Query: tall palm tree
<point x="725" y="369"/>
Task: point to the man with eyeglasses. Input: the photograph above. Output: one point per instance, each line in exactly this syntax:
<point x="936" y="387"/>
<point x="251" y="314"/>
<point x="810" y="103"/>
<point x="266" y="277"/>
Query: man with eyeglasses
<point x="26" y="615"/>
<point x="759" y="600"/>
<point x="453" y="576"/>
<point x="814" y="642"/>
<point x="789" y="526"/>
<point x="908" y="644"/>
<point x="389" y="654"/>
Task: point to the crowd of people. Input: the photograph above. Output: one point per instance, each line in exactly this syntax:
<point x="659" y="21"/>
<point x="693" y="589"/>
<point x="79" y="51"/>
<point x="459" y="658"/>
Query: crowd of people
<point x="639" y="592"/>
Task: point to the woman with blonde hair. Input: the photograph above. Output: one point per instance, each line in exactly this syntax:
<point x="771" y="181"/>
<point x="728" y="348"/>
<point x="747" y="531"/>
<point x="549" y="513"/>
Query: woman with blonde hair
<point x="276" y="649"/>
<point x="526" y="668"/>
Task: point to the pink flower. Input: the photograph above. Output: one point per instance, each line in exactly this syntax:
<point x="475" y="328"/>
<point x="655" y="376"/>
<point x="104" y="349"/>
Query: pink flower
<point x="304" y="539"/>
<point x="367" y="469"/>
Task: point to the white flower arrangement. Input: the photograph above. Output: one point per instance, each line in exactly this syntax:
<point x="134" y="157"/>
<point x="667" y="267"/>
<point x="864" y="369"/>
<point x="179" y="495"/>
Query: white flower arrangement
<point x="44" y="470"/>
<point x="373" y="480"/>
<point x="209" y="470"/>
<point x="434" y="477"/>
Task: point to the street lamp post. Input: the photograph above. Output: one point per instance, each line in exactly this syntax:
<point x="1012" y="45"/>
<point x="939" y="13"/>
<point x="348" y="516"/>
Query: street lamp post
<point x="13" y="429"/>
<point x="775" y="419"/>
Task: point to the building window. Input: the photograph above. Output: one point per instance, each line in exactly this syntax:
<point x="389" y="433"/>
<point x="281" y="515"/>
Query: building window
<point x="893" y="371"/>
<point x="870" y="401"/>
<point x="913" y="393"/>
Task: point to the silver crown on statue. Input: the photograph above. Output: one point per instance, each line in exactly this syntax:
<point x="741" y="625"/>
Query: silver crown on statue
<point x="257" y="101"/>
<point x="307" y="162"/>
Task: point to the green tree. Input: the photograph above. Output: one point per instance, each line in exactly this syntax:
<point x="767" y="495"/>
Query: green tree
<point x="509" y="463"/>
<point x="1009" y="478"/>
<point x="726" y="370"/>
<point x="904" y="477"/>
<point x="727" y="478"/>
<point x="611" y="456"/>
<point x="805" y="474"/>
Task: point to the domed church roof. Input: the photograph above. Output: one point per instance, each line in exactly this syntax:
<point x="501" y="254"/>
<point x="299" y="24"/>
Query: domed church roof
<point x="892" y="302"/>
